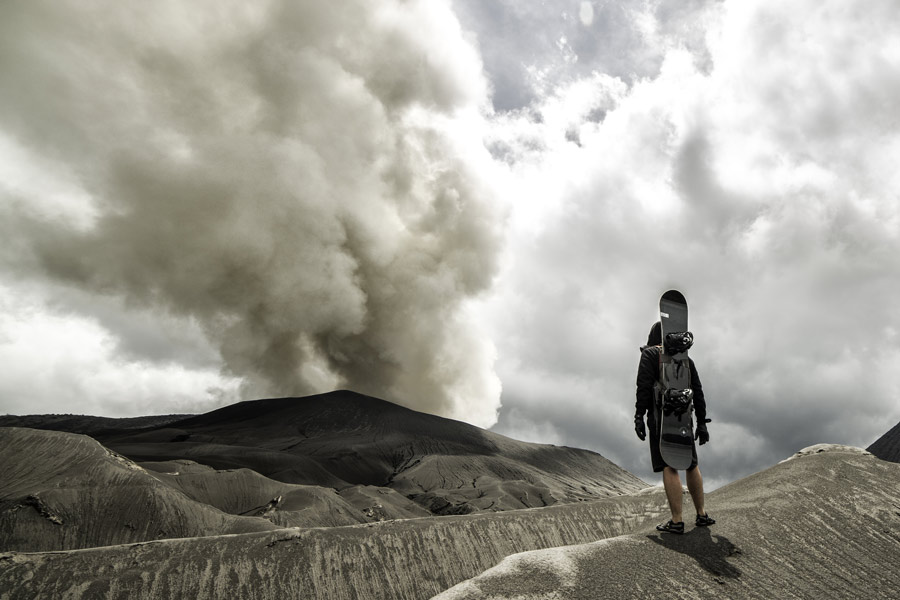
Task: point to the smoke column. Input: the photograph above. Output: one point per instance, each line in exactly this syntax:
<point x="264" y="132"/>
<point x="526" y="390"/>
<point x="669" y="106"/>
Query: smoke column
<point x="301" y="179"/>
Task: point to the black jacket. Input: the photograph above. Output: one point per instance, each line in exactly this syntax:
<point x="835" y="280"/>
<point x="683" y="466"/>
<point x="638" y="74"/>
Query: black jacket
<point x="648" y="375"/>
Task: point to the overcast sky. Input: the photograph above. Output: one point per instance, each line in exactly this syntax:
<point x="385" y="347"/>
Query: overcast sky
<point x="469" y="207"/>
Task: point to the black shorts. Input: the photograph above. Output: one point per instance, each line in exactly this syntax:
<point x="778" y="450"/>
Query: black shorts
<point x="655" y="457"/>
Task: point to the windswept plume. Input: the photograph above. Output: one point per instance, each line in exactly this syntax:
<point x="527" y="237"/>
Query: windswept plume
<point x="298" y="178"/>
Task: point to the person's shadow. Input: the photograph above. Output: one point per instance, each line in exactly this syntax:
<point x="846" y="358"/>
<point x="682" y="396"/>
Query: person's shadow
<point x="710" y="551"/>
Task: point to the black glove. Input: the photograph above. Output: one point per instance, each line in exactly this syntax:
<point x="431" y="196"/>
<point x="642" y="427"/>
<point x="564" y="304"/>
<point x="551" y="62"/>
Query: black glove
<point x="702" y="434"/>
<point x="639" y="427"/>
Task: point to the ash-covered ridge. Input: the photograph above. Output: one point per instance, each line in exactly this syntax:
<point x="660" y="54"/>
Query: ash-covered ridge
<point x="367" y="448"/>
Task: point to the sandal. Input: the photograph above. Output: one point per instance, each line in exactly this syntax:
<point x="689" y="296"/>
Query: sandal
<point x="672" y="527"/>
<point x="705" y="521"/>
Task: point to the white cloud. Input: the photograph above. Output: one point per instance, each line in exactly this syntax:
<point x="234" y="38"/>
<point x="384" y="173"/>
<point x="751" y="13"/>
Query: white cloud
<point x="70" y="364"/>
<point x="755" y="175"/>
<point x="586" y="13"/>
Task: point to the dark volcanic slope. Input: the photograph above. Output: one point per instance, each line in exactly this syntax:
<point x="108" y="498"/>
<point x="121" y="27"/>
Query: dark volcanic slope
<point x="64" y="491"/>
<point x="822" y="525"/>
<point x="887" y="447"/>
<point x="344" y="439"/>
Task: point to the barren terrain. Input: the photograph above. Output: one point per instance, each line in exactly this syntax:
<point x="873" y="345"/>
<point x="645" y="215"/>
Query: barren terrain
<point x="81" y="520"/>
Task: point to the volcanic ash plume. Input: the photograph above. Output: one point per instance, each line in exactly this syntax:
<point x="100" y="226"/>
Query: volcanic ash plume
<point x="299" y="178"/>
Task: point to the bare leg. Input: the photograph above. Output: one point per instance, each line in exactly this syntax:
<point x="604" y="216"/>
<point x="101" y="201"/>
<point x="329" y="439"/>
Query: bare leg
<point x="695" y="487"/>
<point x="672" y="483"/>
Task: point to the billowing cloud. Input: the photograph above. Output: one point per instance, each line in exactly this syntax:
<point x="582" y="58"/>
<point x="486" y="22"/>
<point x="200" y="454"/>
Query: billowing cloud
<point x="312" y="196"/>
<point x="757" y="174"/>
<point x="303" y="184"/>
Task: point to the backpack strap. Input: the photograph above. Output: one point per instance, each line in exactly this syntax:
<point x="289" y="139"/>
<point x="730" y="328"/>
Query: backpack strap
<point x="660" y="386"/>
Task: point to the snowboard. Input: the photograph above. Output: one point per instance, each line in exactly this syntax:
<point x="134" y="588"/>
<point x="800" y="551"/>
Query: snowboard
<point x="675" y="400"/>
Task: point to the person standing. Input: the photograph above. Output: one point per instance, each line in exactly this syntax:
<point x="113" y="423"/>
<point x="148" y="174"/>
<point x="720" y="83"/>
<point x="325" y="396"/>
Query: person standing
<point x="647" y="403"/>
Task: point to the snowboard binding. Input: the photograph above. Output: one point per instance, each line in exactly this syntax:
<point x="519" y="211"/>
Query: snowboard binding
<point x="677" y="402"/>
<point x="676" y="343"/>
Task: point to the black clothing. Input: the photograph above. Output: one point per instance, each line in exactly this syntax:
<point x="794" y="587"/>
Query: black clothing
<point x="702" y="434"/>
<point x="647" y="376"/>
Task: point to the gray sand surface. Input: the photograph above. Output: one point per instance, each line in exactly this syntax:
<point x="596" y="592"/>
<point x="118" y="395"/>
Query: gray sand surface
<point x="825" y="524"/>
<point x="822" y="525"/>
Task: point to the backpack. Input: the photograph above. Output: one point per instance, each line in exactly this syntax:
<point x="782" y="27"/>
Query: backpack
<point x="668" y="399"/>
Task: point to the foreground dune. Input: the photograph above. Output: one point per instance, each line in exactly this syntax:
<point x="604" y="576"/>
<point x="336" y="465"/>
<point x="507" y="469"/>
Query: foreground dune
<point x="414" y="558"/>
<point x="824" y="524"/>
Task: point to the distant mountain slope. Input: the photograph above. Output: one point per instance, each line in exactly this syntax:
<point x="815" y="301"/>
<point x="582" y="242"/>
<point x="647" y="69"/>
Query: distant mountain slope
<point x="85" y="424"/>
<point x="343" y="439"/>
<point x="64" y="491"/>
<point x="821" y="525"/>
<point x="887" y="447"/>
